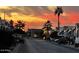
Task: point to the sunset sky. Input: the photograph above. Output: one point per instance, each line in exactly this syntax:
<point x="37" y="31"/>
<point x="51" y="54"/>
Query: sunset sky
<point x="36" y="16"/>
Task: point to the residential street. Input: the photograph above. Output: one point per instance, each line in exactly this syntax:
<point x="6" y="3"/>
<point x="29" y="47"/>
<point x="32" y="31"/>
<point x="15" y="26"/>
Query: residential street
<point x="41" y="46"/>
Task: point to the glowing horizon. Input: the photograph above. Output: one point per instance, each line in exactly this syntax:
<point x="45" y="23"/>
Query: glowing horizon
<point x="36" y="16"/>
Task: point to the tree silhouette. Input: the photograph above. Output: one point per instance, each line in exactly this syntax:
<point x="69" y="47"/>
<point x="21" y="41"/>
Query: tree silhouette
<point x="11" y="22"/>
<point x="20" y="25"/>
<point x="58" y="11"/>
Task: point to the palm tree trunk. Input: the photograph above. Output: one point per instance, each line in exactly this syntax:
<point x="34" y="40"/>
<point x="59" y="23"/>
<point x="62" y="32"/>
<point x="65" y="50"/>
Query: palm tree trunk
<point x="58" y="23"/>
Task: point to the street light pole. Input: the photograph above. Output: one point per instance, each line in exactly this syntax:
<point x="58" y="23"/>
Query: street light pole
<point x="4" y="15"/>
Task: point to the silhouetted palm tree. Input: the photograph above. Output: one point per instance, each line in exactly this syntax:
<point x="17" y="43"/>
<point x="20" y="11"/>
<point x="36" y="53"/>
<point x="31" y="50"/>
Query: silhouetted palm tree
<point x="58" y="11"/>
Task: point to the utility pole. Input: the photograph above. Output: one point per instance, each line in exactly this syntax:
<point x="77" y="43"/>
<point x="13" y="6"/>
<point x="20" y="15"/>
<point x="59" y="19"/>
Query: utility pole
<point x="4" y="15"/>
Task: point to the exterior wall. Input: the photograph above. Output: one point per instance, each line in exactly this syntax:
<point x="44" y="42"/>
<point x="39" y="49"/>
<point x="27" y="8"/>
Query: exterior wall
<point x="35" y="32"/>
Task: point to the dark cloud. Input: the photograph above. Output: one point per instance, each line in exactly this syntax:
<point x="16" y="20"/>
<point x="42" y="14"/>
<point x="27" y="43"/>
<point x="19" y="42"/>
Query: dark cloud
<point x="71" y="8"/>
<point x="36" y="10"/>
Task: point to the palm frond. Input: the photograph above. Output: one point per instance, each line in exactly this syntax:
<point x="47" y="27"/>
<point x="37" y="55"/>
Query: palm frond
<point x="58" y="10"/>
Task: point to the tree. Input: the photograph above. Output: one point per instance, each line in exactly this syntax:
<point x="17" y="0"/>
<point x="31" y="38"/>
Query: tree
<point x="11" y="22"/>
<point x="20" y="25"/>
<point x="58" y="11"/>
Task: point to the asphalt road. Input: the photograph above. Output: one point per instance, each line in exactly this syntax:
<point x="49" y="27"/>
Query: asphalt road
<point x="41" y="46"/>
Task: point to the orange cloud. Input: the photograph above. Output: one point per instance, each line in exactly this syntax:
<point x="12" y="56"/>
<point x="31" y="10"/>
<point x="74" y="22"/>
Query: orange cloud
<point x="35" y="17"/>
